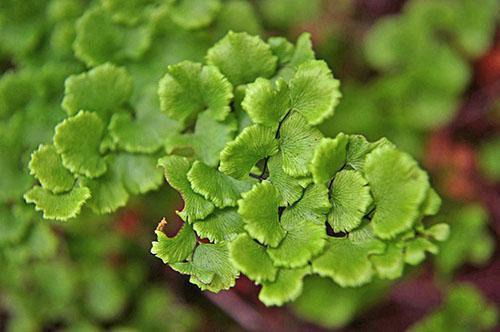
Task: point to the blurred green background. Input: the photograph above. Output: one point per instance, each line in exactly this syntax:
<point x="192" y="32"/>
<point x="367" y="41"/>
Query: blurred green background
<point x="424" y="73"/>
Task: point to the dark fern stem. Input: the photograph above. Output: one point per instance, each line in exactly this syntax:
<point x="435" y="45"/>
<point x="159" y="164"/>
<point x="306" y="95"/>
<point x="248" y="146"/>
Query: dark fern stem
<point x="281" y="123"/>
<point x="332" y="233"/>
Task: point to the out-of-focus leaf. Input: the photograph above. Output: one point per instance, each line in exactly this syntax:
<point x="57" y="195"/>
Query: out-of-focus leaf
<point x="77" y="140"/>
<point x="58" y="206"/>
<point x="46" y="165"/>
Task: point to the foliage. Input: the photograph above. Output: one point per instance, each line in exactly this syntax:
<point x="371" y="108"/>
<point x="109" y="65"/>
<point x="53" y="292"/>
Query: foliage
<point x="95" y="277"/>
<point x="469" y="240"/>
<point x="464" y="309"/>
<point x="329" y="305"/>
<point x="282" y="15"/>
<point x="405" y="101"/>
<point x="106" y="148"/>
<point x="489" y="159"/>
<point x="422" y="60"/>
<point x="265" y="197"/>
<point x="266" y="194"/>
<point x="68" y="276"/>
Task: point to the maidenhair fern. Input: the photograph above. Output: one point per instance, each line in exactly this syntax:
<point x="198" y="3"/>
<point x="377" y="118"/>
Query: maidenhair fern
<point x="266" y="194"/>
<point x="85" y="164"/>
<point x="107" y="147"/>
<point x="273" y="197"/>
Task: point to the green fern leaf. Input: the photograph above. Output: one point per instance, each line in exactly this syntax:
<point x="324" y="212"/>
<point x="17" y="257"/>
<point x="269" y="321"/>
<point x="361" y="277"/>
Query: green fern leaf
<point x="253" y="144"/>
<point x="259" y="210"/>
<point x="46" y="165"/>
<point x="287" y="286"/>
<point x="416" y="248"/>
<point x="297" y="141"/>
<point x="307" y="91"/>
<point x="329" y="157"/>
<point x="77" y="140"/>
<point x="215" y="186"/>
<point x="313" y="207"/>
<point x="390" y="264"/>
<point x="304" y="239"/>
<point x="174" y="249"/>
<point x="209" y="138"/>
<point x="144" y="133"/>
<point x="347" y="261"/>
<point x="290" y="188"/>
<point x="242" y="58"/>
<point x="251" y="258"/>
<point x="282" y="48"/>
<point x="398" y="186"/>
<point x="99" y="39"/>
<point x="350" y="197"/>
<point x="108" y="192"/>
<point x="194" y="14"/>
<point x="84" y="91"/>
<point x="432" y="203"/>
<point x="189" y="88"/>
<point x="128" y="12"/>
<point x="222" y="225"/>
<point x="210" y="267"/>
<point x="58" y="206"/>
<point x="139" y="173"/>
<point x="195" y="206"/>
<point x="358" y="149"/>
<point x="266" y="103"/>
